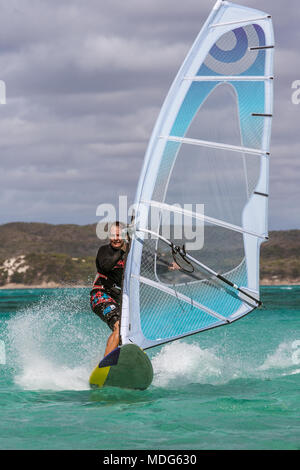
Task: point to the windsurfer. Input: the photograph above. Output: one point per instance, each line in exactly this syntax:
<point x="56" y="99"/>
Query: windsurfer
<point x="105" y="295"/>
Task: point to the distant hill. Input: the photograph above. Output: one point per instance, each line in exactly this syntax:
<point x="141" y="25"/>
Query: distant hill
<point x="20" y="238"/>
<point x="280" y="258"/>
<point x="45" y="254"/>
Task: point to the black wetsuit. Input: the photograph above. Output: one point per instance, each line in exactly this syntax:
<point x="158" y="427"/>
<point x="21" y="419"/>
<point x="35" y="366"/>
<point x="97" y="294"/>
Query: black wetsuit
<point x="106" y="291"/>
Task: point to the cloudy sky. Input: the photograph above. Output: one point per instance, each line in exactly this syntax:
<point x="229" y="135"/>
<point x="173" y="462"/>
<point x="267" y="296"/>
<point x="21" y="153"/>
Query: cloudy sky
<point x="85" y="82"/>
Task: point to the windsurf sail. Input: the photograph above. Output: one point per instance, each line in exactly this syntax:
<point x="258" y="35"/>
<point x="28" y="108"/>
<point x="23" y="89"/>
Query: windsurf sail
<point x="205" y="173"/>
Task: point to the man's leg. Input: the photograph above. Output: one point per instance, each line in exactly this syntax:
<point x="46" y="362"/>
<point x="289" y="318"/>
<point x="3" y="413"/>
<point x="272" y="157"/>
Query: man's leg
<point x="107" y="308"/>
<point x="113" y="340"/>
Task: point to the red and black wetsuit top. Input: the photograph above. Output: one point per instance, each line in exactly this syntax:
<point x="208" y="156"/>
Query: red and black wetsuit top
<point x="110" y="264"/>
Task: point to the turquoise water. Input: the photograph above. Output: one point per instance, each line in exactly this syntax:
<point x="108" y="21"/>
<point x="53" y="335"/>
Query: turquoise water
<point x="235" y="387"/>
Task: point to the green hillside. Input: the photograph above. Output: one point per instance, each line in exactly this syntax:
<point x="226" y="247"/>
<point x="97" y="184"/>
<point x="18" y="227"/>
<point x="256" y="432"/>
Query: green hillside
<point x="280" y="256"/>
<point x="36" y="253"/>
<point x="20" y="238"/>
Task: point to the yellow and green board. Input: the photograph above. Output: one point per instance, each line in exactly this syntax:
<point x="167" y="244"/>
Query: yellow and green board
<point x="127" y="366"/>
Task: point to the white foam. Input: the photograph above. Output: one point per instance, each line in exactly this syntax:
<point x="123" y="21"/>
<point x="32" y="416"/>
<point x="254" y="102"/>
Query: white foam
<point x="54" y="348"/>
<point x="180" y="363"/>
<point x="286" y="355"/>
<point x="44" y="375"/>
<point x="294" y="372"/>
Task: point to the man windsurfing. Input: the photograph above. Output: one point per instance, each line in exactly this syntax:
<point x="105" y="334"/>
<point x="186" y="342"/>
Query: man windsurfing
<point x="105" y="295"/>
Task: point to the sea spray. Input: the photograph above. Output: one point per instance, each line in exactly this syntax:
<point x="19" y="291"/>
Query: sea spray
<point x="55" y="343"/>
<point x="179" y="363"/>
<point x="244" y="408"/>
<point x="53" y="346"/>
<point x="286" y="357"/>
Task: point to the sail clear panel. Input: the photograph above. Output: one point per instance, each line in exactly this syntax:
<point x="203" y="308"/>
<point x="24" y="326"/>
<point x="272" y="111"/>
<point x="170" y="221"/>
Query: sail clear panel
<point x="202" y="198"/>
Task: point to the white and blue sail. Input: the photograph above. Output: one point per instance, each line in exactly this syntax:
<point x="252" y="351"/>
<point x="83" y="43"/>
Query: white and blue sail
<point x="210" y="146"/>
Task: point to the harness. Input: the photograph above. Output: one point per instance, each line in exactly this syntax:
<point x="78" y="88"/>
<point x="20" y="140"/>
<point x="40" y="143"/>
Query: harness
<point x="105" y="284"/>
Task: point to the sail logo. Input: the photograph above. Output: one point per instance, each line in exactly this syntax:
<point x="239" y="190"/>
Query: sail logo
<point x="296" y="93"/>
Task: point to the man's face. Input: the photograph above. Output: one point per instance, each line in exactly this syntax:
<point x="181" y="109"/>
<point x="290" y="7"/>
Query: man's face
<point x="115" y="237"/>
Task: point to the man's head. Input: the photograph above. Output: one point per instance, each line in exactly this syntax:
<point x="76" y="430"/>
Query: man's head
<point x="116" y="237"/>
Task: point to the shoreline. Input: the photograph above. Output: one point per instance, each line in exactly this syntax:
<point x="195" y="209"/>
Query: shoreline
<point x="44" y="285"/>
<point x="54" y="285"/>
<point x="280" y="282"/>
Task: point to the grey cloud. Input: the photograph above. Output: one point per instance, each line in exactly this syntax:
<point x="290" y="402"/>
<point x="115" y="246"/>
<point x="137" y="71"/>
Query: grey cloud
<point x="85" y="82"/>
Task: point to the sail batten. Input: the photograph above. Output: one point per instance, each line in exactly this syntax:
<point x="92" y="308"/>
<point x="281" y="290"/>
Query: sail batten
<point x="210" y="146"/>
<point x="229" y="23"/>
<point x="216" y="145"/>
<point x="233" y="78"/>
<point x="202" y="217"/>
